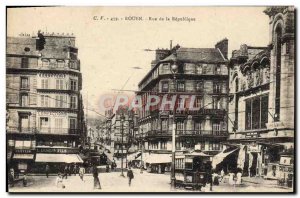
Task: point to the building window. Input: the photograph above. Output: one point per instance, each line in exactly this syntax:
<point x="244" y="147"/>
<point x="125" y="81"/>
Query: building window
<point x="24" y="63"/>
<point x="180" y="126"/>
<point x="45" y="63"/>
<point x="24" y="83"/>
<point x="24" y="100"/>
<point x="256" y="112"/>
<point x="73" y="125"/>
<point x="163" y="145"/>
<point x="216" y="128"/>
<point x="199" y="69"/>
<point x="181" y="104"/>
<point x="60" y="84"/>
<point x="180" y="86"/>
<point x="213" y="146"/>
<point x="44" y="100"/>
<point x="60" y="64"/>
<point x="216" y="103"/>
<point x="19" y="144"/>
<point x="59" y="101"/>
<point x="24" y="123"/>
<point x="58" y="125"/>
<point x="199" y="86"/>
<point x="218" y="70"/>
<point x="165" y="69"/>
<point x="165" y="87"/>
<point x="164" y="124"/>
<point x="217" y="87"/>
<point x="204" y="68"/>
<point x="44" y="124"/>
<point x="198" y="102"/>
<point x="197" y="126"/>
<point x="73" y="102"/>
<point x="44" y="83"/>
<point x="189" y="68"/>
<point x="278" y="37"/>
<point x="73" y="85"/>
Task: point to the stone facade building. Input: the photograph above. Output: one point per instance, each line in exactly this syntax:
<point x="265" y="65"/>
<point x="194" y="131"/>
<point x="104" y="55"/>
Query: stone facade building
<point x="44" y="103"/>
<point x="261" y="107"/>
<point x="202" y="72"/>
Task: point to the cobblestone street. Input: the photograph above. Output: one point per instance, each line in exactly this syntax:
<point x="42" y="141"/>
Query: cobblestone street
<point x="146" y="182"/>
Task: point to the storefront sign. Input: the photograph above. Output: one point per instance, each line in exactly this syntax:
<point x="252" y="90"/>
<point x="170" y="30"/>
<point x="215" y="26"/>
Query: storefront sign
<point x="54" y="113"/>
<point x="23" y="151"/>
<point x="253" y="148"/>
<point x="57" y="150"/>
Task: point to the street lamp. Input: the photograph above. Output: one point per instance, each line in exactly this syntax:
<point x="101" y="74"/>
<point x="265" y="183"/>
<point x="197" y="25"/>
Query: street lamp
<point x="122" y="118"/>
<point x="174" y="70"/>
<point x="142" y="148"/>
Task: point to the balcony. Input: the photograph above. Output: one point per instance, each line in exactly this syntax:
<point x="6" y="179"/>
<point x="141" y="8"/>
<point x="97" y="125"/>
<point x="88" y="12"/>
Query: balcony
<point x="187" y="133"/>
<point x="202" y="133"/>
<point x="58" y="131"/>
<point x="21" y="130"/>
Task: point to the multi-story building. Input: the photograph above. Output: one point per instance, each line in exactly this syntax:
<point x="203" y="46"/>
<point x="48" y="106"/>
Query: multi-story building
<point x="202" y="72"/>
<point x="43" y="100"/>
<point x="261" y="107"/>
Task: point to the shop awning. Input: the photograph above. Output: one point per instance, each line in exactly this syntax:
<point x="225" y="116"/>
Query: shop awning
<point x="159" y="159"/>
<point x="23" y="156"/>
<point x="58" y="158"/>
<point x="109" y="156"/>
<point x="133" y="156"/>
<point x="217" y="159"/>
<point x="195" y="153"/>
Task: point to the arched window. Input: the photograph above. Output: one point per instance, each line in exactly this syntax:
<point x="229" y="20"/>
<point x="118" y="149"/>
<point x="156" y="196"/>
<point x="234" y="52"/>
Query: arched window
<point x="278" y="37"/>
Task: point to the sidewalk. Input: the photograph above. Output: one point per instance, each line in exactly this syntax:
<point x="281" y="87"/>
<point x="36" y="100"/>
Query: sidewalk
<point x="259" y="180"/>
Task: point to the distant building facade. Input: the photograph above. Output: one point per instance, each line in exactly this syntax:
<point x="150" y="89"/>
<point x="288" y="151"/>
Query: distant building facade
<point x="202" y="72"/>
<point x="44" y="102"/>
<point x="261" y="107"/>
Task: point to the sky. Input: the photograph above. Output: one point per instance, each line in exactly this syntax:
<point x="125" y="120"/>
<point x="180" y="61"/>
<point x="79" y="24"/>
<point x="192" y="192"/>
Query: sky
<point x="109" y="50"/>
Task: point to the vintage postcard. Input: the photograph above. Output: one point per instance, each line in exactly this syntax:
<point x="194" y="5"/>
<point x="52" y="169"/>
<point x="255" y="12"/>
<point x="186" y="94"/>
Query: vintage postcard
<point x="150" y="99"/>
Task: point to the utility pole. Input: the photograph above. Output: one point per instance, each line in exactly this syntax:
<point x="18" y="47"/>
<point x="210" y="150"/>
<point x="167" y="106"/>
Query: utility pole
<point x="122" y="132"/>
<point x="174" y="69"/>
<point x="142" y="148"/>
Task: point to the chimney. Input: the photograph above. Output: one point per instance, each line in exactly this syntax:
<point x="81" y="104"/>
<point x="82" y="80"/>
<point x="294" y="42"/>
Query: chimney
<point x="161" y="54"/>
<point x="223" y="47"/>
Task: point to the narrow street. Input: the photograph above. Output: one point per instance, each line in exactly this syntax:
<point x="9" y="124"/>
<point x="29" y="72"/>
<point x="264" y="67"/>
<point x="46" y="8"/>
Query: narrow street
<point x="146" y="182"/>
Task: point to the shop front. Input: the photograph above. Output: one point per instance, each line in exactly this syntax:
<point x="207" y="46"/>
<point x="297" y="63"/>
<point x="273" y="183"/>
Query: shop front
<point x="56" y="159"/>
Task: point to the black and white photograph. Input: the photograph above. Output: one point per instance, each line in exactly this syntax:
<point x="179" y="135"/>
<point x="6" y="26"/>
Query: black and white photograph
<point x="162" y="99"/>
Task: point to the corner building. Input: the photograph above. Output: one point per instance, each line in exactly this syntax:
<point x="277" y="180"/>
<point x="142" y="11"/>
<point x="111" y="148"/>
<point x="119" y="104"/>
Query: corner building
<point x="262" y="100"/>
<point x="44" y="102"/>
<point x="202" y="72"/>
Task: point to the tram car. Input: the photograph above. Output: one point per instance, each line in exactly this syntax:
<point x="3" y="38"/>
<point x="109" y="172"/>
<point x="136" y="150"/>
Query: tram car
<point x="193" y="170"/>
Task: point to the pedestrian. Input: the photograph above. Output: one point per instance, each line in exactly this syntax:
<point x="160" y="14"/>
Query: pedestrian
<point x="47" y="168"/>
<point x="59" y="181"/>
<point x="70" y="169"/>
<point x="215" y="179"/>
<point x="107" y="168"/>
<point x="65" y="172"/>
<point x="11" y="177"/>
<point x="25" y="180"/>
<point x="231" y="178"/>
<point x="239" y="177"/>
<point x="97" y="184"/>
<point x="130" y="176"/>
<point x="75" y="169"/>
<point x="81" y="172"/>
<point x="222" y="174"/>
